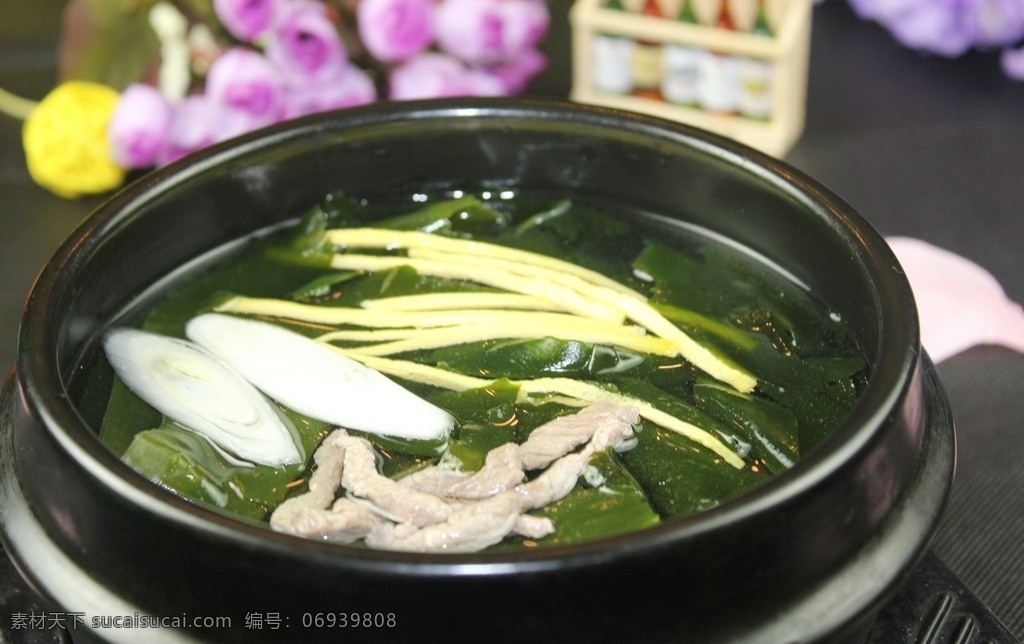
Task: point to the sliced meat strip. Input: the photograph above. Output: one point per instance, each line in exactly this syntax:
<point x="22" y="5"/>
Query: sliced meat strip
<point x="307" y="515"/>
<point x="433" y="479"/>
<point x="323" y="485"/>
<point x="439" y="509"/>
<point x="502" y="471"/>
<point x="561" y="476"/>
<point x="553" y="483"/>
<point x="394" y="501"/>
<point x="344" y="522"/>
<point x="533" y="527"/>
<point x="471" y="528"/>
<point x="560" y="436"/>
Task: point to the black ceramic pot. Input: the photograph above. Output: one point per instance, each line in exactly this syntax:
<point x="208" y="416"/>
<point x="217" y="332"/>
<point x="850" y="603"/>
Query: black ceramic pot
<point x="809" y="556"/>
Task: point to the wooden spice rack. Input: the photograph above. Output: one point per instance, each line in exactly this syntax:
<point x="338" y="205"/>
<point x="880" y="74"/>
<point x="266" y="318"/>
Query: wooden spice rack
<point x="787" y="52"/>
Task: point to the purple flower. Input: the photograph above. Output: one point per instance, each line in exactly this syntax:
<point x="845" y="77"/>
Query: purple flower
<point x="1012" y="61"/>
<point x="394" y="30"/>
<point x="351" y="87"/>
<point x="935" y="27"/>
<point x="306" y="46"/>
<point x="138" y="128"/>
<point x="947" y="27"/>
<point x="997" y="23"/>
<point x="194" y="126"/>
<point x="488" y="32"/>
<point x="246" y="20"/>
<point x="249" y="90"/>
<point x="438" y="75"/>
<point x="882" y="11"/>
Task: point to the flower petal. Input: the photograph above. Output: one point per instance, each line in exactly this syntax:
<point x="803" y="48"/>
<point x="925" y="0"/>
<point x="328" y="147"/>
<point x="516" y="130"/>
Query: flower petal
<point x="960" y="303"/>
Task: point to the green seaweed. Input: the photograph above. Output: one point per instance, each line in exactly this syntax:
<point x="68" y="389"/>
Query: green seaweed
<point x="616" y="505"/>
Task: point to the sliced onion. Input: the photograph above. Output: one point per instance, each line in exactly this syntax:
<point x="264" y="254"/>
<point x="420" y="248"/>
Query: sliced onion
<point x="317" y="381"/>
<point x="196" y="390"/>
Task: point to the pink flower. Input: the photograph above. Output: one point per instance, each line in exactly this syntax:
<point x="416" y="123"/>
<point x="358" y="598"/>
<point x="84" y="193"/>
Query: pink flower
<point x="246" y="20"/>
<point x="487" y="32"/>
<point x="437" y="75"/>
<point x="249" y="90"/>
<point x="517" y="73"/>
<point x="194" y="126"/>
<point x="960" y="304"/>
<point x="306" y="46"/>
<point x="138" y="128"/>
<point x="351" y="87"/>
<point x="394" y="30"/>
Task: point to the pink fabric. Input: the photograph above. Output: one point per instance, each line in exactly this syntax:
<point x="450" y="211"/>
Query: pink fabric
<point x="960" y="303"/>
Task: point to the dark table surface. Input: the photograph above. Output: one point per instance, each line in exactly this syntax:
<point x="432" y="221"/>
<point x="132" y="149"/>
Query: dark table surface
<point x="922" y="146"/>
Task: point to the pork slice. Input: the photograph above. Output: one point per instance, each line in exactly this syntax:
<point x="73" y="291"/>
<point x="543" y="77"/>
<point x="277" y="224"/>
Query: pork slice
<point x="553" y="483"/>
<point x="440" y="509"/>
<point x="433" y="479"/>
<point x="614" y="429"/>
<point x="344" y="522"/>
<point x="324" y="482"/>
<point x="560" y="436"/>
<point x="473" y="527"/>
<point x="502" y="471"/>
<point x="533" y="527"/>
<point x="397" y="502"/>
<point x="612" y="426"/>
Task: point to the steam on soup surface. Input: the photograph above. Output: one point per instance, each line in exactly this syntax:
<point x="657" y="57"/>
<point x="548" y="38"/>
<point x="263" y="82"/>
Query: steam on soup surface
<point x="466" y="372"/>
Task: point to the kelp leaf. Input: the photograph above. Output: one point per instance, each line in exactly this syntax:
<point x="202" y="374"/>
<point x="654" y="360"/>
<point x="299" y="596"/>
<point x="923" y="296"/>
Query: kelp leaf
<point x="615" y="505"/>
<point x="488" y="417"/>
<point x="771" y="429"/>
<point x="188" y="465"/>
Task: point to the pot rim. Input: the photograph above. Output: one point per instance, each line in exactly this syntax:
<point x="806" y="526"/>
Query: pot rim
<point x="890" y="380"/>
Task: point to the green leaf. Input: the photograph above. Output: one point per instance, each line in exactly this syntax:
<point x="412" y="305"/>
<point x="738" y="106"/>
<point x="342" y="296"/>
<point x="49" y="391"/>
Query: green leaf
<point x="126" y="415"/>
<point x="583" y="236"/>
<point x="524" y="359"/>
<point x="771" y="429"/>
<point x="617" y="505"/>
<point x="488" y="418"/>
<point x="187" y="464"/>
<point x="322" y="285"/>
<point x="248" y="273"/>
<point x="108" y="42"/>
<point x="680" y="477"/>
<point x="463" y="216"/>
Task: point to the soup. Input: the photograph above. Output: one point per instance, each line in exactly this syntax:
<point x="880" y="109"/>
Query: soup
<point x="472" y="371"/>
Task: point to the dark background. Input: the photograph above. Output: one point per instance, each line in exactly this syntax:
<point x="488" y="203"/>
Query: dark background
<point x="922" y="146"/>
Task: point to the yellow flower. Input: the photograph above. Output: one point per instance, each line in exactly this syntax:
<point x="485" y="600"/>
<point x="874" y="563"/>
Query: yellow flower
<point x="65" y="139"/>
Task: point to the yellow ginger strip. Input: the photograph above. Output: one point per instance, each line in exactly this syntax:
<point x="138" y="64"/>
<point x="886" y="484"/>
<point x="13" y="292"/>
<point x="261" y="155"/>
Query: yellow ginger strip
<point x="566" y="386"/>
<point x="416" y="372"/>
<point x="320" y="314"/>
<point x="650" y="318"/>
<point x="637" y="310"/>
<point x="460" y="300"/>
<point x="565" y="297"/>
<point x="375" y="335"/>
<point x="586" y="290"/>
<point x="418" y="339"/>
<point x="391" y="239"/>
